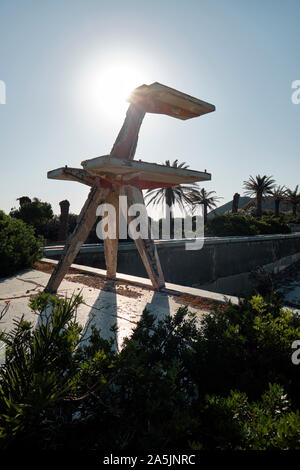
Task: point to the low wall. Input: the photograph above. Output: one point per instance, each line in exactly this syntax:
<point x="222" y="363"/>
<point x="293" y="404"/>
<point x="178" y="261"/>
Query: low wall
<point x="295" y="227"/>
<point x="222" y="265"/>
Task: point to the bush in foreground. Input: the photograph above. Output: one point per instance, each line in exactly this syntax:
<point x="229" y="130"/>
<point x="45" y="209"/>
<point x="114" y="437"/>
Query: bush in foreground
<point x="225" y="384"/>
<point x="19" y="247"/>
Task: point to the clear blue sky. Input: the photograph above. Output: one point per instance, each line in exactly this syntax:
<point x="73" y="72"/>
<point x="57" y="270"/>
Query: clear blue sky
<point x="240" y="55"/>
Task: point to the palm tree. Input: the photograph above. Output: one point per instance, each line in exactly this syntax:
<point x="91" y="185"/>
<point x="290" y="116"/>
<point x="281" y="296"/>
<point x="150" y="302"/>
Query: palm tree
<point x="259" y="187"/>
<point x="293" y="197"/>
<point x="178" y="194"/>
<point x="207" y="199"/>
<point x="278" y="194"/>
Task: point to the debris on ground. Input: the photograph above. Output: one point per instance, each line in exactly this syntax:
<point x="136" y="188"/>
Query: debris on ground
<point x="200" y="302"/>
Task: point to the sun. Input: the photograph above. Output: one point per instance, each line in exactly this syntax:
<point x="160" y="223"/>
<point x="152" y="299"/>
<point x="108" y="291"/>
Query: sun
<point x="116" y="83"/>
<point x="106" y="87"/>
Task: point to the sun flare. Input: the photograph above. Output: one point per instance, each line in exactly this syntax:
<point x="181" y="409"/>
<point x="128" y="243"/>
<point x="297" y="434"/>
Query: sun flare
<point x="116" y="84"/>
<point x="107" y="87"/>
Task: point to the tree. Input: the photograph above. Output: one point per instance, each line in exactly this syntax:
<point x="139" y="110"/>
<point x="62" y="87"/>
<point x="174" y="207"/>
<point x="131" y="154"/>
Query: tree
<point x="35" y="213"/>
<point x="259" y="187"/>
<point x="278" y="194"/>
<point x="178" y="194"/>
<point x="23" y="200"/>
<point x="207" y="199"/>
<point x="293" y="197"/>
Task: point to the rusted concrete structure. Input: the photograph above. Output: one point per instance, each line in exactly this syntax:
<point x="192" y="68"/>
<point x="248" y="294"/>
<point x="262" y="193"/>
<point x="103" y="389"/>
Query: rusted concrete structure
<point x="116" y="174"/>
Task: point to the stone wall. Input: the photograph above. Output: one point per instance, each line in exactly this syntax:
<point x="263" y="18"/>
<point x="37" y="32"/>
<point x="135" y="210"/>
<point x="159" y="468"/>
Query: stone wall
<point x="222" y="265"/>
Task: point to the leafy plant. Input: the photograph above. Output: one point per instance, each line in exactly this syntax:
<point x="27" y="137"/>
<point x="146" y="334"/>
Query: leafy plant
<point x="181" y="195"/>
<point x="19" y="247"/>
<point x="240" y="225"/>
<point x="39" y="365"/>
<point x="230" y="225"/>
<point x="234" y="423"/>
<point x="259" y="187"/>
<point x="247" y="347"/>
<point x="223" y="382"/>
<point x="293" y="197"/>
<point x="36" y="213"/>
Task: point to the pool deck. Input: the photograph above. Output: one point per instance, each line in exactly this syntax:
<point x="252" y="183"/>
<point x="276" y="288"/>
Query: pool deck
<point x="105" y="303"/>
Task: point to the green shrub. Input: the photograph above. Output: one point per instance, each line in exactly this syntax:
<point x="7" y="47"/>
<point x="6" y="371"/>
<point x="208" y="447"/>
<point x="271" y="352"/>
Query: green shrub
<point x="19" y="247"/>
<point x="242" y="225"/>
<point x="230" y="225"/>
<point x="39" y="365"/>
<point x="289" y="218"/>
<point x="173" y="385"/>
<point x="51" y="227"/>
<point x="270" y="224"/>
<point x="234" y="423"/>
<point x="247" y="347"/>
<point x="36" y="213"/>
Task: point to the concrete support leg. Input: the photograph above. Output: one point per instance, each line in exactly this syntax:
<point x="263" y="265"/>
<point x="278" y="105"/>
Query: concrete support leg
<point x="145" y="246"/>
<point x="86" y="220"/>
<point x="111" y="244"/>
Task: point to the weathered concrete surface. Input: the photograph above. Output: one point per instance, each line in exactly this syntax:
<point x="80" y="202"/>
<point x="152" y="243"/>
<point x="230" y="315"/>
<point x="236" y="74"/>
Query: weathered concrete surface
<point x="153" y="173"/>
<point x="145" y="246"/>
<point x="145" y="282"/>
<point x="295" y="228"/>
<point x="103" y="308"/>
<point x="85" y="222"/>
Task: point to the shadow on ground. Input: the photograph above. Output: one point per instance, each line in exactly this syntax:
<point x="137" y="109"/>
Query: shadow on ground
<point x="159" y="305"/>
<point x="103" y="313"/>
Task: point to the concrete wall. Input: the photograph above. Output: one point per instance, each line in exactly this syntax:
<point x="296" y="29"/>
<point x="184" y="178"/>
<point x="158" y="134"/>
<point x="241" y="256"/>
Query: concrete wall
<point x="222" y="265"/>
<point x="295" y="227"/>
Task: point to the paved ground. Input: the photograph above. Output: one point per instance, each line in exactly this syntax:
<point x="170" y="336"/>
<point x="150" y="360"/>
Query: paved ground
<point x="119" y="303"/>
<point x="122" y="303"/>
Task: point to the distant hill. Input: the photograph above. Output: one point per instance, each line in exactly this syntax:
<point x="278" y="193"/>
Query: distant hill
<point x="268" y="204"/>
<point x="228" y="206"/>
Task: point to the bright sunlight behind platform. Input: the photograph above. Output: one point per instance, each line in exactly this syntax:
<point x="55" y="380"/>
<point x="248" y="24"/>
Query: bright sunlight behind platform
<point x="106" y="87"/>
